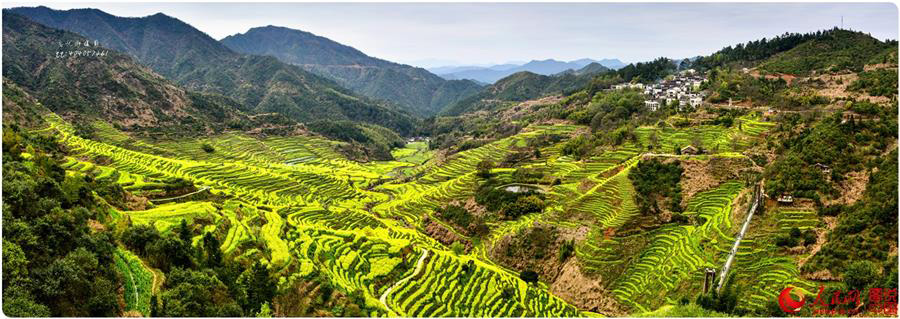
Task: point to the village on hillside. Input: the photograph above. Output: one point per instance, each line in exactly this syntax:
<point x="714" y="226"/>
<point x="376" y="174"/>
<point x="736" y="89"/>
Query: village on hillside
<point x="681" y="90"/>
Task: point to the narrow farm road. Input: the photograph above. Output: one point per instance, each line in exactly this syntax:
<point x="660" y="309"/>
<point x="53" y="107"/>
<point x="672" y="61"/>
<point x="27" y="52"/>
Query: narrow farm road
<point x="418" y="269"/>
<point x="204" y="188"/>
<point x="156" y="282"/>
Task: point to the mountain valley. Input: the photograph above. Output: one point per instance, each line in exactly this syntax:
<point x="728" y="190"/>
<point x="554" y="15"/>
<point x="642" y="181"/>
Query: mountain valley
<point x="151" y="170"/>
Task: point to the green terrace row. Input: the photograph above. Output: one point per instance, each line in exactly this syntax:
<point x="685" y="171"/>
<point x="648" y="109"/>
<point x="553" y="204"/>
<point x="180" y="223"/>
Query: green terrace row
<point x="714" y="208"/>
<point x="355" y="261"/>
<point x="673" y="255"/>
<point x="448" y="288"/>
<point x="138" y="281"/>
<point x="712" y="137"/>
<point x="130" y="182"/>
<point x="273" y="186"/>
<point x="238" y="215"/>
<point x="765" y="277"/>
<point x="411" y="204"/>
<point x="801" y="219"/>
<point x="611" y="203"/>
<point x="240" y="148"/>
<point x="599" y="253"/>
<point x="269" y="186"/>
<point x="676" y="253"/>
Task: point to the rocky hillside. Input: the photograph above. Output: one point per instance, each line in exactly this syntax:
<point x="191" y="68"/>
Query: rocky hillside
<point x="98" y="82"/>
<point x="191" y="58"/>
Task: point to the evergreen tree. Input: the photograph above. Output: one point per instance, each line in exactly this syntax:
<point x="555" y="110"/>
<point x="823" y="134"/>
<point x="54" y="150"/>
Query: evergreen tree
<point x="211" y="248"/>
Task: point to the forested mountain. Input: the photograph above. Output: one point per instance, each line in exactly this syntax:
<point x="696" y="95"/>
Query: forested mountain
<point x="832" y="50"/>
<point x="416" y="89"/>
<point x="107" y="84"/>
<point x="836" y="49"/>
<point x="522" y="86"/>
<point x="593" y="67"/>
<point x="544" y="67"/>
<point x="191" y="58"/>
<point x="646" y="72"/>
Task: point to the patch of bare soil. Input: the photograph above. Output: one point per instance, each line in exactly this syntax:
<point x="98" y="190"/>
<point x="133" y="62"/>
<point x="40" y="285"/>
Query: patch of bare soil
<point x="789" y="78"/>
<point x="95" y="226"/>
<point x="800" y="203"/>
<point x="120" y="297"/>
<point x="133" y="202"/>
<point x="821" y="275"/>
<point x="836" y="87"/>
<point x="556" y="122"/>
<point x="877" y="66"/>
<point x="821" y="237"/>
<point x="444" y="235"/>
<point x="581" y="131"/>
<point x="584" y="292"/>
<point x="576" y="234"/>
<point x="440" y="156"/>
<point x="850" y="189"/>
<point x="703" y="175"/>
<point x="473" y="207"/>
<point x="586" y="185"/>
<point x="536" y="249"/>
<point x="553" y="99"/>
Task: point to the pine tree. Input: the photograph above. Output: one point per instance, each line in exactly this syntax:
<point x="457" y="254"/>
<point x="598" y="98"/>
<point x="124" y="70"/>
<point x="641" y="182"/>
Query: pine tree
<point x="184" y="233"/>
<point x="213" y="254"/>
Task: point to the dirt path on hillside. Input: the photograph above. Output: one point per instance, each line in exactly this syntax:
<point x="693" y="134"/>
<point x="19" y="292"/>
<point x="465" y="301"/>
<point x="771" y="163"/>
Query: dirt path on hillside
<point x="156" y="201"/>
<point x="821" y="236"/>
<point x="387" y="292"/>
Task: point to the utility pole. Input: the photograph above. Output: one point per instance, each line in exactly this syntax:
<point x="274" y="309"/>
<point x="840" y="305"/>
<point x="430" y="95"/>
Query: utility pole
<point x="842" y="22"/>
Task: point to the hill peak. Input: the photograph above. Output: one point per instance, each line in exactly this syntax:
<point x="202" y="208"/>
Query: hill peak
<point x="296" y="47"/>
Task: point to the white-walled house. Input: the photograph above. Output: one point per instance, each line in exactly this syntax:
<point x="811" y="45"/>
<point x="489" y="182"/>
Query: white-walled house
<point x="696" y="101"/>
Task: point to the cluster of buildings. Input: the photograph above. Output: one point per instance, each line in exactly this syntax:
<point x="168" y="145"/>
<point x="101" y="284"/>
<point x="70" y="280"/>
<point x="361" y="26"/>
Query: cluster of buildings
<point x="683" y="87"/>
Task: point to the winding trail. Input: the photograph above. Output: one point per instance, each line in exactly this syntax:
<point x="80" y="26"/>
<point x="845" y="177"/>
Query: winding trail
<point x="738" y="238"/>
<point x="418" y="269"/>
<point x="182" y="196"/>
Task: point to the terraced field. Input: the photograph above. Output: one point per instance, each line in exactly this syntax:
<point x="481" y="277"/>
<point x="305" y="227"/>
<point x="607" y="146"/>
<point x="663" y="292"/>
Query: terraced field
<point x="763" y="268"/>
<point x="678" y="254"/>
<point x="711" y="137"/>
<point x="138" y="281"/>
<point x="301" y="208"/>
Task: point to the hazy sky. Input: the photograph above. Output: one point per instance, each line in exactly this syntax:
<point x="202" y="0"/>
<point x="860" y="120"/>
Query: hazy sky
<point x="482" y="33"/>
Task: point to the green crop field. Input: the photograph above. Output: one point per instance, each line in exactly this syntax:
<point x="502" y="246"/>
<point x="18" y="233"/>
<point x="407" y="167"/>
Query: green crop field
<point x="138" y="281"/>
<point x="150" y="170"/>
<point x="301" y="208"/>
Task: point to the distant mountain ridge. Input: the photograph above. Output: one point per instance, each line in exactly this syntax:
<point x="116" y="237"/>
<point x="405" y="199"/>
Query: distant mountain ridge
<point x="494" y="73"/>
<point x="416" y="89"/>
<point x="522" y="86"/>
<point x="191" y="58"/>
